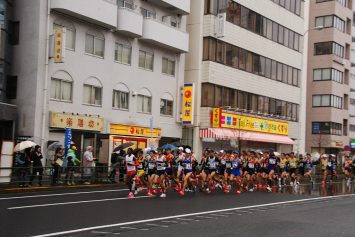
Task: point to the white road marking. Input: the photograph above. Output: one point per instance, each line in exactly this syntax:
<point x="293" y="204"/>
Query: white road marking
<point x="165" y="226"/>
<point x="76" y="202"/>
<point x="170" y="221"/>
<point x="206" y="217"/>
<point x="64" y="194"/>
<point x="100" y="232"/>
<point x="129" y="228"/>
<point x="218" y="215"/>
<point x="188" y="215"/>
<point x="184" y="219"/>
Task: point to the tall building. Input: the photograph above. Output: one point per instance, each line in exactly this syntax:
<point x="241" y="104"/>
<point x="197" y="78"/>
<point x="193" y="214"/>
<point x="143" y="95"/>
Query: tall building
<point x="8" y="37"/>
<point x="328" y="87"/>
<point x="245" y="63"/>
<point x="352" y="86"/>
<point x="111" y="70"/>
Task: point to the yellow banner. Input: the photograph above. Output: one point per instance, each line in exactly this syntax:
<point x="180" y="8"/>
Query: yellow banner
<point x="187" y="106"/>
<point x="60" y="120"/>
<point x="58" y="45"/>
<point x="247" y="123"/>
<point x="135" y="131"/>
<point x="216" y="117"/>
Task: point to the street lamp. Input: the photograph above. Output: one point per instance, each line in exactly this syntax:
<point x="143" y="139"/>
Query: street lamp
<point x="301" y="87"/>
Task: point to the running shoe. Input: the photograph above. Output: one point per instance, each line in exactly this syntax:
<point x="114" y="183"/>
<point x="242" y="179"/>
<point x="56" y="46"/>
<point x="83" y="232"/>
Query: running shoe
<point x="136" y="192"/>
<point x="260" y="186"/>
<point x="149" y="194"/>
<point x="268" y="189"/>
<point x="208" y="190"/>
<point x="226" y="190"/>
<point x="219" y="186"/>
<point x="177" y="188"/>
<point x="163" y="195"/>
<point x="251" y="190"/>
<point x="238" y="191"/>
<point x="130" y="195"/>
<point x="155" y="191"/>
<point x="140" y="189"/>
<point x="182" y="193"/>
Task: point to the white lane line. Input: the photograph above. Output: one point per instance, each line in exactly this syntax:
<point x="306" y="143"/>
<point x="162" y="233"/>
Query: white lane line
<point x="185" y="219"/>
<point x="63" y="194"/>
<point x="76" y="202"/>
<point x="100" y="232"/>
<point x="128" y="228"/>
<point x="219" y="215"/>
<point x="188" y="215"/>
<point x="164" y="226"/>
<point x="206" y="217"/>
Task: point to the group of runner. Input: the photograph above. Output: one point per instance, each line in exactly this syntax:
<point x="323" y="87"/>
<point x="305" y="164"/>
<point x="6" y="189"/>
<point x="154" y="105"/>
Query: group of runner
<point x="227" y="170"/>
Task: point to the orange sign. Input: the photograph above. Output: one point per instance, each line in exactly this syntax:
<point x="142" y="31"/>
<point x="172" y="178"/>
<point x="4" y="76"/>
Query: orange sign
<point x="216" y="117"/>
<point x="59" y="44"/>
<point x="135" y="131"/>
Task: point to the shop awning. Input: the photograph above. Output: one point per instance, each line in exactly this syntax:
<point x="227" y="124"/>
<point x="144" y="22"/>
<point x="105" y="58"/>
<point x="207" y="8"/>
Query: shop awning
<point x="225" y="134"/>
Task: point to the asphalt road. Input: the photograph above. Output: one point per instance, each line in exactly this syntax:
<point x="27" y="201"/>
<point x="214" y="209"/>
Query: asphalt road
<point x="306" y="211"/>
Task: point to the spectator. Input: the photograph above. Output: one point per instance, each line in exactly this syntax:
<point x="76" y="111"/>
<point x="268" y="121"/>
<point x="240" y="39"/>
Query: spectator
<point x="36" y="158"/>
<point x="57" y="165"/>
<point x="70" y="171"/>
<point x="88" y="164"/>
<point x="21" y="167"/>
<point x="116" y="160"/>
<point x="71" y="152"/>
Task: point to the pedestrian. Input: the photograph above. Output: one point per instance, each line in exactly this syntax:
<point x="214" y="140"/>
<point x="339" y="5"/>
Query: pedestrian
<point x="114" y="166"/>
<point x="57" y="165"/>
<point x="21" y="166"/>
<point x="36" y="158"/>
<point x="89" y="165"/>
<point x="70" y="171"/>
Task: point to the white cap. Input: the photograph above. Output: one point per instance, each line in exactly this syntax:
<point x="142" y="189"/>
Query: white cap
<point x="221" y="151"/>
<point x="188" y="151"/>
<point x="181" y="148"/>
<point x="332" y="155"/>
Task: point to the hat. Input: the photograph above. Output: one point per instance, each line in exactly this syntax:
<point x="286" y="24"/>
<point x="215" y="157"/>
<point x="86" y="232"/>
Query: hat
<point x="221" y="151"/>
<point x="181" y="148"/>
<point x="74" y="148"/>
<point x="188" y="151"/>
<point x="332" y="155"/>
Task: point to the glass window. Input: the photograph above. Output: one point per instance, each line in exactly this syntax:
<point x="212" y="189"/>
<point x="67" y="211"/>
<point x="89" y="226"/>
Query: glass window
<point x="166" y="107"/>
<point x="234" y="13"/>
<point x="252" y="21"/>
<point x="242" y="59"/>
<point x="281" y="34"/>
<point x="275" y="30"/>
<point x="146" y="60"/>
<point x="207" y="95"/>
<point x="168" y="66"/>
<point x="249" y="62"/>
<point x="69" y="37"/>
<point x="144" y="104"/>
<point x="123" y="53"/>
<point x="268" y="67"/>
<point x="295" y="77"/>
<point x="269" y="29"/>
<point x="94" y="45"/>
<point x="218" y="96"/>
<point x="317" y="100"/>
<point x="61" y="89"/>
<point x="229" y="55"/>
<point x="323" y="48"/>
<point x="262" y="66"/>
<point x="279" y="71"/>
<point x="272" y="106"/>
<point x="235" y="57"/>
<point x="221" y="52"/>
<point x="244" y="17"/>
<point x="120" y="99"/>
<point x="92" y="95"/>
<point x="289" y="76"/>
<point x="256" y="64"/>
<point x="273" y="70"/>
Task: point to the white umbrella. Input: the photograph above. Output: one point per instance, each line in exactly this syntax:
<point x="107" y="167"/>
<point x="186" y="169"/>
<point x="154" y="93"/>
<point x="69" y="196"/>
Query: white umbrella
<point x="54" y="146"/>
<point x="23" y="145"/>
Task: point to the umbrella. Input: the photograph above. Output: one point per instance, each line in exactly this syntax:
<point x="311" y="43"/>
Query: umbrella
<point x="123" y="146"/>
<point x="23" y="145"/>
<point x="168" y="146"/>
<point x="54" y="146"/>
<point x="177" y="144"/>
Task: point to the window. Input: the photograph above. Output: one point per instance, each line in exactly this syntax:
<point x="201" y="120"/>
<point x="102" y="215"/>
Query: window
<point x="147" y="13"/>
<point x="330" y="21"/>
<point x="123" y="53"/>
<point x="144" y="104"/>
<point x="125" y="4"/>
<point x="120" y="99"/>
<point x="95" y="45"/>
<point x="69" y="34"/>
<point x="168" y="66"/>
<point x="146" y="60"/>
<point x="166" y="107"/>
<point x="327" y="128"/>
<point x="327" y="101"/>
<point x="92" y="95"/>
<point x="325" y="74"/>
<point x="328" y="48"/>
<point x="207" y="95"/>
<point x="61" y="89"/>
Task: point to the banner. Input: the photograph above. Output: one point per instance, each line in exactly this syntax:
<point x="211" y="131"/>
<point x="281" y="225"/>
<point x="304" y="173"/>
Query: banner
<point x="216" y="117"/>
<point x="187" y="106"/>
<point x="67" y="139"/>
<point x="135" y="131"/>
<point x="248" y="123"/>
<point x="59" y="44"/>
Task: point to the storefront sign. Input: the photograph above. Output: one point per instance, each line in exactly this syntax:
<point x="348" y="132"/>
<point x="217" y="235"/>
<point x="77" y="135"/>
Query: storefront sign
<point x="136" y="131"/>
<point x="187" y="107"/>
<point x="338" y="144"/>
<point x="247" y="123"/>
<point x="59" y="44"/>
<point x="67" y="140"/>
<point x="216" y="117"/>
<point x="81" y="122"/>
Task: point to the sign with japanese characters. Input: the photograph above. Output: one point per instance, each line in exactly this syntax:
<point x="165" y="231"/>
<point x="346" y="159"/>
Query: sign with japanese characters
<point x="187" y="106"/>
<point x="59" y="44"/>
<point x="248" y="123"/>
<point x="135" y="131"/>
<point x="61" y="120"/>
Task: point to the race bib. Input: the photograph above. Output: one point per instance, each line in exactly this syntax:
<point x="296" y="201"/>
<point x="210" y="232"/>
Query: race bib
<point x="151" y="166"/>
<point x="251" y="165"/>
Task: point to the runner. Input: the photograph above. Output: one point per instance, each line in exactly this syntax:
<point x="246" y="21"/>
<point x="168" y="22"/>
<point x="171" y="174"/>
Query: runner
<point x="141" y="171"/>
<point x="347" y="169"/>
<point x="151" y="171"/>
<point x="131" y="164"/>
<point x="187" y="170"/>
<point x="160" y="177"/>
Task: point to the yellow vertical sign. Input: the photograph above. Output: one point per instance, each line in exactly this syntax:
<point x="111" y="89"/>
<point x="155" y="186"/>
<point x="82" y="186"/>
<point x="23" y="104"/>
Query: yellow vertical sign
<point x="216" y="117"/>
<point x="58" y="45"/>
<point x="187" y="106"/>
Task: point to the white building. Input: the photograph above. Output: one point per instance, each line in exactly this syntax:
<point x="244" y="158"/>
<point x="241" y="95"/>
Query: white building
<point x="122" y="71"/>
<point x="352" y="86"/>
<point x="246" y="58"/>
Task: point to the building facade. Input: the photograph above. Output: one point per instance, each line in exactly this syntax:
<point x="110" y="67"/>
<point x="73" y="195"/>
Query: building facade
<point x="245" y="62"/>
<point x="110" y="70"/>
<point x="329" y="75"/>
<point x="8" y="38"/>
<point x="352" y="87"/>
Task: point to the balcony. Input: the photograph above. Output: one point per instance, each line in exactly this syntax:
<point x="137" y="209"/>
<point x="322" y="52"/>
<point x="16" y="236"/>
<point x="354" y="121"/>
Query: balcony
<point x="164" y="35"/>
<point x="100" y="12"/>
<point x="177" y="6"/>
<point x="129" y="22"/>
